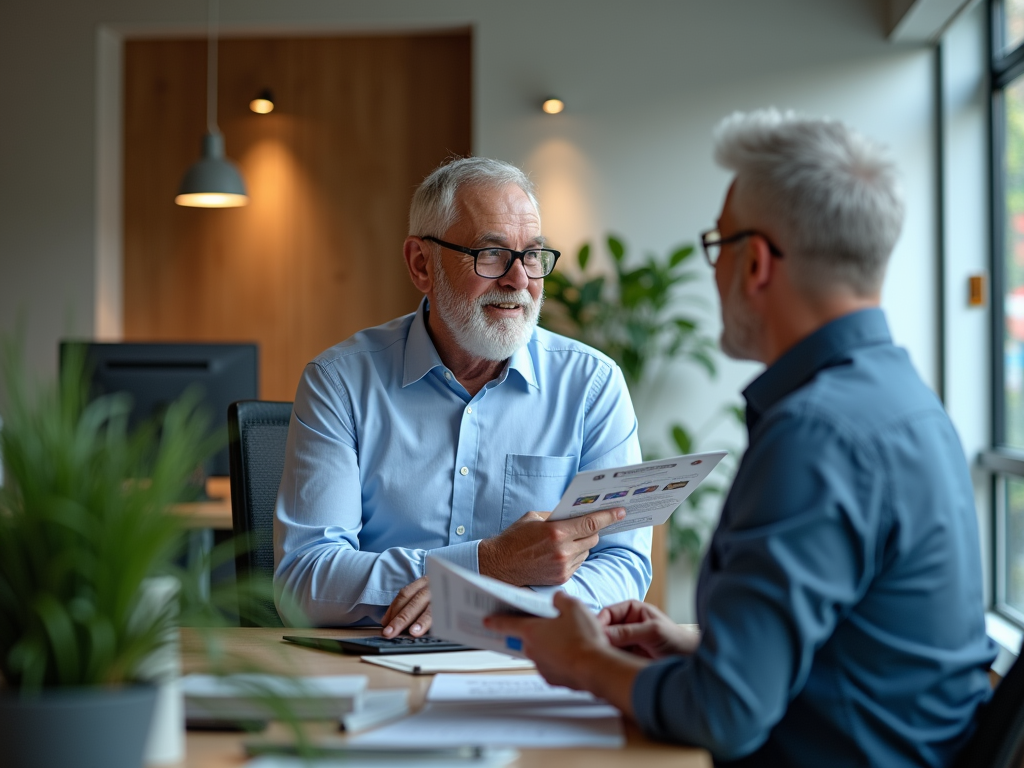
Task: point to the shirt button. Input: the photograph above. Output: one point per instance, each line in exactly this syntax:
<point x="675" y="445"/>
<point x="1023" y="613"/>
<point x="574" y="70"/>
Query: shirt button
<point x="460" y="530"/>
<point x="469" y="409"/>
<point x="464" y="471"/>
<point x="448" y="375"/>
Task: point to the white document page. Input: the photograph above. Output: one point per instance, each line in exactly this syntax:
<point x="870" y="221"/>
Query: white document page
<point x="512" y="725"/>
<point x="453" y="661"/>
<point x="461" y="599"/>
<point x="503" y="711"/>
<point x="503" y="689"/>
<point x="649" y="492"/>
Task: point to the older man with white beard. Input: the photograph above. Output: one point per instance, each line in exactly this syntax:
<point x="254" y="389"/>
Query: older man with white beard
<point x="451" y="431"/>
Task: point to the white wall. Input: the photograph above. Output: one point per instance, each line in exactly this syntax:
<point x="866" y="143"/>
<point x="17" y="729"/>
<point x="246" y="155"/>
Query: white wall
<point x="644" y="82"/>
<point x="966" y="186"/>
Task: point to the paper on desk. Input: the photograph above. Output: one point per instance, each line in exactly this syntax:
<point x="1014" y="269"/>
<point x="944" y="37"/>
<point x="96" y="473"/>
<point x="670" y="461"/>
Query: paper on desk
<point x="487" y="758"/>
<point x="461" y="599"/>
<point x="511" y="725"/>
<point x="503" y="711"/>
<point x="649" y="492"/>
<point x="378" y="707"/>
<point x="454" y="661"/>
<point x="503" y="689"/>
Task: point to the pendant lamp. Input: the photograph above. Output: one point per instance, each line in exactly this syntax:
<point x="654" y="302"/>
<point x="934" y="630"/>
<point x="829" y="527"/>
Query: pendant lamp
<point x="214" y="181"/>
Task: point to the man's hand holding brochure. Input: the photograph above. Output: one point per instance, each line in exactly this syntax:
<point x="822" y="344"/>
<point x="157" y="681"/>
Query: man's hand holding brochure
<point x="649" y="492"/>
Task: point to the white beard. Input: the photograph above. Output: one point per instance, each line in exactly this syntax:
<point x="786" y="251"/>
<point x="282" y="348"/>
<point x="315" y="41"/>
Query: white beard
<point x="474" y="332"/>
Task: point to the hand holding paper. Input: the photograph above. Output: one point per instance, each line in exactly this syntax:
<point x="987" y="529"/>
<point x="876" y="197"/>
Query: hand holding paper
<point x="534" y="552"/>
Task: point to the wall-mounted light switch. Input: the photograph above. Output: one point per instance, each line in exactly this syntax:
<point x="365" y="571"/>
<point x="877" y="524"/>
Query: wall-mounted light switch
<point x="976" y="291"/>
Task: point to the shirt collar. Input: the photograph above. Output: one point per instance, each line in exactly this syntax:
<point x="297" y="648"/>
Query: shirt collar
<point x="421" y="355"/>
<point x="522" y="361"/>
<point x="828" y="346"/>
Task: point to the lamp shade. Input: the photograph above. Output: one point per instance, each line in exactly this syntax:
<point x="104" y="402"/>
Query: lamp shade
<point x="214" y="181"/>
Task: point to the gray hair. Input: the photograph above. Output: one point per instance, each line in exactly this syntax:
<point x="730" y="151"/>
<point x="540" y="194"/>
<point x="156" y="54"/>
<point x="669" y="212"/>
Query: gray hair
<point x="433" y="210"/>
<point x="833" y="194"/>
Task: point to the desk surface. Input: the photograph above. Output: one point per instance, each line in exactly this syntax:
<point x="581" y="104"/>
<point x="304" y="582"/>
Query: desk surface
<point x="265" y="647"/>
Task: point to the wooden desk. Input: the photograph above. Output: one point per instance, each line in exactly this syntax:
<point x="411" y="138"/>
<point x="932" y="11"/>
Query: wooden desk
<point x="220" y="750"/>
<point x="214" y="514"/>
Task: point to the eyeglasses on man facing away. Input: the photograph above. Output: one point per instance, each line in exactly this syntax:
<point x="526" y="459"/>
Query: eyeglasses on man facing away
<point x="712" y="242"/>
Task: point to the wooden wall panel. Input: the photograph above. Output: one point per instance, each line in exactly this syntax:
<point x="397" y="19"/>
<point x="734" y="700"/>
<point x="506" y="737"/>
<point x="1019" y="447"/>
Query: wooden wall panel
<point x="316" y="255"/>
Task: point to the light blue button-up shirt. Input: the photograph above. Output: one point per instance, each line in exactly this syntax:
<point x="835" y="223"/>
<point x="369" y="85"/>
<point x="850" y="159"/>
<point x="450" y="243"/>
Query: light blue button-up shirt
<point x="389" y="458"/>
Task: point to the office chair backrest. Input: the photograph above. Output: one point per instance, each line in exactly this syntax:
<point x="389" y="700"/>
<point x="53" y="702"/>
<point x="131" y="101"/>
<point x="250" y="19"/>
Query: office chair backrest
<point x="998" y="741"/>
<point x="258" y="431"/>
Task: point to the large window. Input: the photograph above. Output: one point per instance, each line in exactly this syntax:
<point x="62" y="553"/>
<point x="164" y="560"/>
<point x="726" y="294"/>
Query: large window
<point x="1006" y="459"/>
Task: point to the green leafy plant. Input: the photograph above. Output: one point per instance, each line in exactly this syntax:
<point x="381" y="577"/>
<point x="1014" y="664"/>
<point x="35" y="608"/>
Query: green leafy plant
<point x="638" y="315"/>
<point x="633" y="317"/>
<point x="83" y="524"/>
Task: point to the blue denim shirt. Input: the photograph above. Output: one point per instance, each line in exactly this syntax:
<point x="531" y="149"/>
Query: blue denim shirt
<point x="389" y="458"/>
<point x="841" y="598"/>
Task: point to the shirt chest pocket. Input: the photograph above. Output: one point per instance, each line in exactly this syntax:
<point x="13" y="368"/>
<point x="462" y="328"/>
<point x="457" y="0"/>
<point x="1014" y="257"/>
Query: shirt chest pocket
<point x="534" y="483"/>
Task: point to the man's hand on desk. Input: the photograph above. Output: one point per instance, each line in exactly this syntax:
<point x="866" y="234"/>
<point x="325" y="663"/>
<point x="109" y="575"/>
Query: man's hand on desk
<point x="534" y="552"/>
<point x="411" y="608"/>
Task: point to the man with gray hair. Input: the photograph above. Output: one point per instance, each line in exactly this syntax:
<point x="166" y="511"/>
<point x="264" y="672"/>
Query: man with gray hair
<point x="453" y="430"/>
<point x="840" y="602"/>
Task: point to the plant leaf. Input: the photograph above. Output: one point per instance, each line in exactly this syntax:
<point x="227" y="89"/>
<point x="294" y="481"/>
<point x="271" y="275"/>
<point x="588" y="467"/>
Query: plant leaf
<point x="738" y="412"/>
<point x="618" y="250"/>
<point x="584" y="256"/>
<point x="680" y="255"/>
<point x="682" y="438"/>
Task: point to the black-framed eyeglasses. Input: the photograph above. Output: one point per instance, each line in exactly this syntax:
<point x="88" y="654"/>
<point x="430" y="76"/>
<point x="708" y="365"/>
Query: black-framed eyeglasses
<point x="712" y="242"/>
<point x="493" y="263"/>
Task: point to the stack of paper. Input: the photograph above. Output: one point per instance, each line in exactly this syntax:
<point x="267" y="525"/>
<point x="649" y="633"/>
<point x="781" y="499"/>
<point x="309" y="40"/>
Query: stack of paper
<point x="270" y="697"/>
<point x="503" y="711"/>
<point x="375" y="708"/>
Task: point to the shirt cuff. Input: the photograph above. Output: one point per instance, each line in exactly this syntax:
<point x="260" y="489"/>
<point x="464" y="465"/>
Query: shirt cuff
<point x="646" y="694"/>
<point x="463" y="554"/>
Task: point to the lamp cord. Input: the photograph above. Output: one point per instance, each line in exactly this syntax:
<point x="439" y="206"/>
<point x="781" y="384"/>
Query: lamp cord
<point x="211" y="69"/>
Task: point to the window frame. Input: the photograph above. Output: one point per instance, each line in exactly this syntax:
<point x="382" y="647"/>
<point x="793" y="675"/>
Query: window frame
<point x="1003" y="462"/>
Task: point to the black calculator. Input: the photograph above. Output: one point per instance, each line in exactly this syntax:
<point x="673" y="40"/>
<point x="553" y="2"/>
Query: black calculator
<point x="366" y="646"/>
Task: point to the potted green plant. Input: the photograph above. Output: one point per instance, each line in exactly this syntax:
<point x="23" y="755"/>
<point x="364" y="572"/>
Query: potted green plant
<point x="83" y="526"/>
<point x="638" y="315"/>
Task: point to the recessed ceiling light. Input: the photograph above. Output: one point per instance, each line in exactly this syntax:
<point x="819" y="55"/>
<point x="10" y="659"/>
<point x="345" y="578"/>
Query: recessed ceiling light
<point x="263" y="103"/>
<point x="553" y="106"/>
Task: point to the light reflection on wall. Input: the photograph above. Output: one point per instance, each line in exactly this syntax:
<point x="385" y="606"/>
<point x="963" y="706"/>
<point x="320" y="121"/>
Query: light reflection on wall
<point x="566" y="186"/>
<point x="280" y="192"/>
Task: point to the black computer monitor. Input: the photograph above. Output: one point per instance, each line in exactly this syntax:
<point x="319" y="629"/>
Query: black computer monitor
<point x="157" y="374"/>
